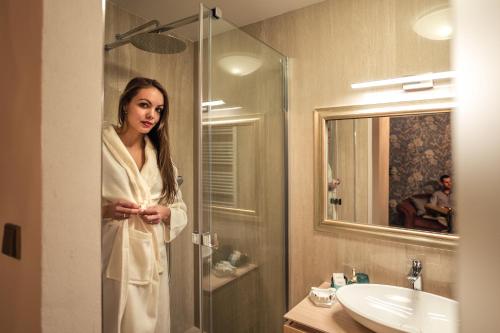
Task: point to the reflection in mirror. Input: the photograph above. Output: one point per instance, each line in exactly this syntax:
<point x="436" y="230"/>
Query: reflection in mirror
<point x="230" y="170"/>
<point x="391" y="171"/>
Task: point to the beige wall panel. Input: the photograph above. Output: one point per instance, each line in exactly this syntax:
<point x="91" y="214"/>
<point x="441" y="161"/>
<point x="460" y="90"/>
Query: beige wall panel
<point x="71" y="165"/>
<point x="476" y="55"/>
<point x="331" y="45"/>
<point x="344" y="170"/>
<point x="175" y="73"/>
<point x="361" y="152"/>
<point x="380" y="165"/>
<point x="21" y="162"/>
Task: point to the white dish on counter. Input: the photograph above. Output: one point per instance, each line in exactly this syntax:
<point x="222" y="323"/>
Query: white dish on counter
<point x="322" y="297"/>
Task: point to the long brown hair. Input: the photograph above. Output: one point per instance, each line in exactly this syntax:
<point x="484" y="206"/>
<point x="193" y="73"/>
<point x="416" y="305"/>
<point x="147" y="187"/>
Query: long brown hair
<point x="158" y="135"/>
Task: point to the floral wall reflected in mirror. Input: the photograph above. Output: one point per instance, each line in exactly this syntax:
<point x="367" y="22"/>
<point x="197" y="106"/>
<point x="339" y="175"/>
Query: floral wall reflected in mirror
<point x="414" y="150"/>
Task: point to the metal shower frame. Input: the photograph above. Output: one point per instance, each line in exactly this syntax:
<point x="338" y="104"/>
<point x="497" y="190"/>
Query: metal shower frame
<point x="126" y="37"/>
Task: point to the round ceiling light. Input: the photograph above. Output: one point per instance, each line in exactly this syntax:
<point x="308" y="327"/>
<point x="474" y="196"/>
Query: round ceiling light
<point x="435" y="25"/>
<point x="239" y="64"/>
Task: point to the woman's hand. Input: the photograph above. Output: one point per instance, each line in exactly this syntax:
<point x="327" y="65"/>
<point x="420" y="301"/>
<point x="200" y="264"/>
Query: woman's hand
<point x="120" y="210"/>
<point x="155" y="215"/>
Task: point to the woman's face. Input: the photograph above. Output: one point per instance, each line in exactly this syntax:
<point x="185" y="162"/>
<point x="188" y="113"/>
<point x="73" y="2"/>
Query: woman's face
<point x="143" y="111"/>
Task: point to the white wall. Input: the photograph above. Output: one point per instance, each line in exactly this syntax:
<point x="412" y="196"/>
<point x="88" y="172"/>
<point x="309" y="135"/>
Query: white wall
<point x="72" y="91"/>
<point x="477" y="123"/>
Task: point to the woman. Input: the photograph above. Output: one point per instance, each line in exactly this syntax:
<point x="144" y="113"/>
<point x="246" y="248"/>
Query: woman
<point x="142" y="210"/>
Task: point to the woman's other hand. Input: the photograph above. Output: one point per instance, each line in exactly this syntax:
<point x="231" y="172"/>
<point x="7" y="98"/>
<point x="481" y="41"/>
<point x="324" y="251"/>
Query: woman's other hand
<point x="120" y="210"/>
<point x="155" y="215"/>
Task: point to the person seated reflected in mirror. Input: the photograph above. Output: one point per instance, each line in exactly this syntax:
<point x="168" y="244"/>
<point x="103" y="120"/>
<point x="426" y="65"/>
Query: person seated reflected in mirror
<point x="332" y="185"/>
<point x="441" y="203"/>
<point x="332" y="194"/>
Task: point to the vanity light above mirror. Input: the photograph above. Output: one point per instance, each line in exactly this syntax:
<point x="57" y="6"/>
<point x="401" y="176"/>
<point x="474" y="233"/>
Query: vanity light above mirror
<point x="420" y="81"/>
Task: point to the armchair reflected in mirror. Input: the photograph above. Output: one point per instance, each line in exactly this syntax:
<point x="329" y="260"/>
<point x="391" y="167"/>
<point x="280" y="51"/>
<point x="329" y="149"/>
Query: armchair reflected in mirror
<point x="386" y="169"/>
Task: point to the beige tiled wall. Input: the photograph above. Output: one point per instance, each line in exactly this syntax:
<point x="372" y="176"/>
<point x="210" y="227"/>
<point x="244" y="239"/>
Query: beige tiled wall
<point x="331" y="45"/>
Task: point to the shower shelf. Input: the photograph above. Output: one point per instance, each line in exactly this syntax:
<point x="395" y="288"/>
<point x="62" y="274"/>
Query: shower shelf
<point x="212" y="282"/>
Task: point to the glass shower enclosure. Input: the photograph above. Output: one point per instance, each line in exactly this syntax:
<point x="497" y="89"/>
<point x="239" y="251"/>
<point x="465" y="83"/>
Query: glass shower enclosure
<point x="241" y="173"/>
<point x="227" y="94"/>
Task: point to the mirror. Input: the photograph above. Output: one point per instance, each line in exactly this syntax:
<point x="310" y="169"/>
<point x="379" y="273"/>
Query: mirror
<point x="386" y="169"/>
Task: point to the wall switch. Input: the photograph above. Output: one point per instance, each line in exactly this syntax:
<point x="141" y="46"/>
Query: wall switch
<point x="11" y="243"/>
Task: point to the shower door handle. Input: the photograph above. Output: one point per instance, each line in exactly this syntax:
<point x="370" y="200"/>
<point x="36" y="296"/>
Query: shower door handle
<point x="195" y="238"/>
<point x="205" y="239"/>
<point x="210" y="240"/>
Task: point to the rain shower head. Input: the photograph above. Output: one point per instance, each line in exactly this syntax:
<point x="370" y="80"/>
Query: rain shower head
<point x="158" y="43"/>
<point x="151" y="40"/>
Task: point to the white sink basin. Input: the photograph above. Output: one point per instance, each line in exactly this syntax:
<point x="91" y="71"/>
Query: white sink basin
<point x="384" y="309"/>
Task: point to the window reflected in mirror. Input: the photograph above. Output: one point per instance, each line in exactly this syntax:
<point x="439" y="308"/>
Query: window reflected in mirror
<point x="391" y="171"/>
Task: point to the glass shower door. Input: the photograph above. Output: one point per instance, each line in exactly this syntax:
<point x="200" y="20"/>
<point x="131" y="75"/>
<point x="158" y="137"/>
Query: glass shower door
<point x="242" y="181"/>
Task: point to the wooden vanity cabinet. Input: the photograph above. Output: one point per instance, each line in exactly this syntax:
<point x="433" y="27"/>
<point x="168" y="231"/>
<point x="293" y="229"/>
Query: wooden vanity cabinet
<point x="293" y="327"/>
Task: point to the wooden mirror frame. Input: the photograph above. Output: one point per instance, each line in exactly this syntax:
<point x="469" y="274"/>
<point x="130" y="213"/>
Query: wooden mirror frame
<point x="321" y="222"/>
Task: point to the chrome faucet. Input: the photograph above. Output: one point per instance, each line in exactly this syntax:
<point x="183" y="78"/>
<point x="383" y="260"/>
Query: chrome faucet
<point x="415" y="274"/>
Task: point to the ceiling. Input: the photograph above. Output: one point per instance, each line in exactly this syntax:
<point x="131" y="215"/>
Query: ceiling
<point x="238" y="12"/>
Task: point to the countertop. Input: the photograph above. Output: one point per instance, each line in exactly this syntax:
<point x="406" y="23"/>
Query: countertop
<point x="328" y="320"/>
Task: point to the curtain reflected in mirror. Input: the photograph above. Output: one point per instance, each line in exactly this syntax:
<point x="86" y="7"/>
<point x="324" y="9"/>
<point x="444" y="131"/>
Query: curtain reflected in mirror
<point x="392" y="171"/>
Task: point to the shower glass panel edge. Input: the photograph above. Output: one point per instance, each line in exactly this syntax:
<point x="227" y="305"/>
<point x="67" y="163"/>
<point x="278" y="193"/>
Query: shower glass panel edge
<point x="242" y="188"/>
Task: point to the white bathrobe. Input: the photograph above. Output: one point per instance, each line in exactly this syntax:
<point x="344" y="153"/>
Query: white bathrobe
<point x="135" y="268"/>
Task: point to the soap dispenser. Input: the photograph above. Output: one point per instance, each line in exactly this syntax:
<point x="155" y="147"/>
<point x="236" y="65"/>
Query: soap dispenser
<point x="358" y="277"/>
<point x="354" y="278"/>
